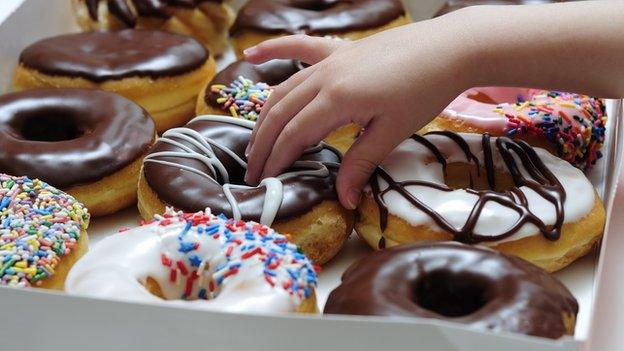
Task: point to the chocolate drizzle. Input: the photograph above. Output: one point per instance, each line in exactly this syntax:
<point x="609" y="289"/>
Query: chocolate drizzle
<point x="127" y="11"/>
<point x="203" y="163"/>
<point x="70" y="137"/>
<point x="101" y="56"/>
<point x="542" y="181"/>
<point x="315" y="16"/>
<point x="482" y="289"/>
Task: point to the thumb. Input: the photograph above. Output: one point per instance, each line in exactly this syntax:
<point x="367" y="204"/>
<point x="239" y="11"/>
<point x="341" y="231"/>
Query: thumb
<point x="297" y="47"/>
<point x="359" y="163"/>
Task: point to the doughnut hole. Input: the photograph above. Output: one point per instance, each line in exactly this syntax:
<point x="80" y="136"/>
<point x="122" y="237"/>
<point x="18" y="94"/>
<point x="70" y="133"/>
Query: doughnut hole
<point x="465" y="176"/>
<point x="51" y="127"/>
<point x="452" y="294"/>
<point x="315" y="5"/>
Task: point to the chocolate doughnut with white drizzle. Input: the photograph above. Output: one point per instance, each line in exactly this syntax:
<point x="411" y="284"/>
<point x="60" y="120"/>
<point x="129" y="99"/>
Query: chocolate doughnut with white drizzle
<point x="203" y="164"/>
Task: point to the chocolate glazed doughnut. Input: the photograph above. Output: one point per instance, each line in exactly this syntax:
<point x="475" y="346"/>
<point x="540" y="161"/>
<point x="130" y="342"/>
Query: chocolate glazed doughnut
<point x="480" y="288"/>
<point x="202" y="165"/>
<point x="259" y="20"/>
<point x="211" y="98"/>
<point x="142" y="65"/>
<point x="206" y="20"/>
<point x="89" y="143"/>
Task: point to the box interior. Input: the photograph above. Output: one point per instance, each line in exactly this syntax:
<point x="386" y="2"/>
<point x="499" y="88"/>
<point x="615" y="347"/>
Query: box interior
<point x="579" y="277"/>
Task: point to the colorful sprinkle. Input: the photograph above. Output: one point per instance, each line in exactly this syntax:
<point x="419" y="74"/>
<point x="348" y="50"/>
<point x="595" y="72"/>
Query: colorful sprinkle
<point x="242" y="98"/>
<point x="39" y="225"/>
<point x="578" y="138"/>
<point x="241" y="244"/>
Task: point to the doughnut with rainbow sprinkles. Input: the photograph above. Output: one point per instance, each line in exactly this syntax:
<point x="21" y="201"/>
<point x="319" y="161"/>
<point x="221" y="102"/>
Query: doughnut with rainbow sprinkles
<point x="571" y="126"/>
<point x="42" y="233"/>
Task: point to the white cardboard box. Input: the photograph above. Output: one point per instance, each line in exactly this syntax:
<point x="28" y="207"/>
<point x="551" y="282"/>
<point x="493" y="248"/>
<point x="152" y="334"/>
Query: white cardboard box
<point x="46" y="320"/>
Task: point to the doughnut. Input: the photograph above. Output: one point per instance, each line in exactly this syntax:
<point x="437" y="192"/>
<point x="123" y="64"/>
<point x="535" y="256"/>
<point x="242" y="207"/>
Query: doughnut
<point x="477" y="189"/>
<point x="477" y="287"/>
<point x="89" y="143"/>
<point x="241" y="89"/>
<point x="453" y="5"/>
<point x="571" y="126"/>
<point x="201" y="261"/>
<point x="202" y="165"/>
<point x="42" y="233"/>
<point x="160" y="71"/>
<point x="207" y="21"/>
<point x="259" y="20"/>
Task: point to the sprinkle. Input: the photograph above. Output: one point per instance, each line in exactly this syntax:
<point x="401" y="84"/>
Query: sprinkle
<point x="578" y="138"/>
<point x="241" y="247"/>
<point x="39" y="225"/>
<point x="242" y="98"/>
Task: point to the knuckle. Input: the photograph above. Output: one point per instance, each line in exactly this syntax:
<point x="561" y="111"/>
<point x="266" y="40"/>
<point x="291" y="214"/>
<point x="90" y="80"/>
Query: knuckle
<point x="361" y="165"/>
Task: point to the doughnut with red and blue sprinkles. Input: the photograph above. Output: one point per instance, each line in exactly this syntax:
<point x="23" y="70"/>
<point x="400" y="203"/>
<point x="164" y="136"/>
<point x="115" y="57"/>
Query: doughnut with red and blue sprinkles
<point x="199" y="260"/>
<point x="42" y="231"/>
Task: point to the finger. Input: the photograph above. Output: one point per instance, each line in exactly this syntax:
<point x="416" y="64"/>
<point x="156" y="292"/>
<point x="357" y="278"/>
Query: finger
<point x="276" y="96"/>
<point x="298" y="47"/>
<point x="307" y="128"/>
<point x="275" y="121"/>
<point x="378" y="139"/>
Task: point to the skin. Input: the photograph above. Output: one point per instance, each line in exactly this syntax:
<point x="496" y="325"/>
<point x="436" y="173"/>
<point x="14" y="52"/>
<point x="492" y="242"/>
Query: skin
<point x="395" y="82"/>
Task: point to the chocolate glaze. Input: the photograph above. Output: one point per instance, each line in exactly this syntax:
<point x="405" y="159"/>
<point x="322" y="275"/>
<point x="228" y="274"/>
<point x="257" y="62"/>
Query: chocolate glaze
<point x="452" y="5"/>
<point x="127" y="11"/>
<point x="542" y="181"/>
<point x="480" y="288"/>
<point x="101" y="56"/>
<point x="70" y="137"/>
<point x="272" y="72"/>
<point x="191" y="192"/>
<point x="315" y="16"/>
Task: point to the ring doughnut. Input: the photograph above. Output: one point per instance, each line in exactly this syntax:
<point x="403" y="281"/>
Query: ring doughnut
<point x="474" y="286"/>
<point x="202" y="165"/>
<point x="42" y="233"/>
<point x="479" y="189"/>
<point x="201" y="261"/>
<point x="260" y="20"/>
<point x="206" y="20"/>
<point x="89" y="143"/>
<point x="571" y="126"/>
<point x="160" y="71"/>
<point x="241" y="89"/>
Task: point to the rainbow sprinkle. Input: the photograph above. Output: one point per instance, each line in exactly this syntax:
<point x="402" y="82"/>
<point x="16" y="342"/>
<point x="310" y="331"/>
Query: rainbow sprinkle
<point x="241" y="243"/>
<point x="39" y="225"/>
<point x="578" y="138"/>
<point x="242" y="98"/>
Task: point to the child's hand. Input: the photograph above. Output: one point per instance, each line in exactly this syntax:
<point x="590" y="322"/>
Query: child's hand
<point x="391" y="84"/>
<point x="394" y="82"/>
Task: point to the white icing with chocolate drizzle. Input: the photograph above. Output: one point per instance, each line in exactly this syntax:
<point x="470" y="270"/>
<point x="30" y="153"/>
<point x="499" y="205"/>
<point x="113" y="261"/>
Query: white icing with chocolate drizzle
<point x="413" y="161"/>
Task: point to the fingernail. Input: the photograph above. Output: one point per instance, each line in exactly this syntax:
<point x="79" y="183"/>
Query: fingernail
<point x="247" y="177"/>
<point x="248" y="150"/>
<point x="353" y="198"/>
<point x="250" y="51"/>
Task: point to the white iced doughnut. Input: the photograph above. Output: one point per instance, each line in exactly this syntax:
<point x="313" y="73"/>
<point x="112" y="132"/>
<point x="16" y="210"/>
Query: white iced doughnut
<point x="521" y="193"/>
<point x="199" y="260"/>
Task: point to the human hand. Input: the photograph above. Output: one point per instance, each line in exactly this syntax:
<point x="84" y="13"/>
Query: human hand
<point x="390" y="84"/>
